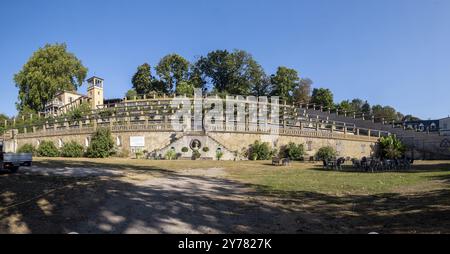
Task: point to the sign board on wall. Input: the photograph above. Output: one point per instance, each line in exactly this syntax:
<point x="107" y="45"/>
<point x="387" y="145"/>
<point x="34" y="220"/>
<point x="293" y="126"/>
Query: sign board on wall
<point x="137" y="141"/>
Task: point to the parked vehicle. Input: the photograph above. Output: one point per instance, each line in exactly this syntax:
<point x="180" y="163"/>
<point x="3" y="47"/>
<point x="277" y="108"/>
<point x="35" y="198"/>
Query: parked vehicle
<point x="12" y="161"/>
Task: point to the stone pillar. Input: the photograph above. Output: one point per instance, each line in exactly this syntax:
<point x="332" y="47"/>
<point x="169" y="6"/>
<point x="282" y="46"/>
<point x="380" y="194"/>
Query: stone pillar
<point x="369" y="132"/>
<point x="146" y="121"/>
<point x="373" y="119"/>
<point x="25" y="130"/>
<point x="301" y="126"/>
<point x="357" y="131"/>
<point x="34" y="129"/>
<point x="94" y="123"/>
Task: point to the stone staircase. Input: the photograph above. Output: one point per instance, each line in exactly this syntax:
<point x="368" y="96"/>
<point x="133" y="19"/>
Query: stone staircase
<point x="185" y="139"/>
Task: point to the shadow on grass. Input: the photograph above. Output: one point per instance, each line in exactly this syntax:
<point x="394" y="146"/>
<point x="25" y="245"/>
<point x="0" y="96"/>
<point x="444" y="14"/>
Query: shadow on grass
<point x="180" y="203"/>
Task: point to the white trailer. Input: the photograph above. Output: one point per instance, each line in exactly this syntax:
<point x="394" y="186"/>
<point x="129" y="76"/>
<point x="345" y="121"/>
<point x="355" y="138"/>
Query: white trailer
<point x="12" y="161"/>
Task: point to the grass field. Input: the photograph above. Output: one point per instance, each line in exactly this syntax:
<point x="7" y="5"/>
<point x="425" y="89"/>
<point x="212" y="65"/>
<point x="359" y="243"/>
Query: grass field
<point x="299" y="176"/>
<point x="259" y="197"/>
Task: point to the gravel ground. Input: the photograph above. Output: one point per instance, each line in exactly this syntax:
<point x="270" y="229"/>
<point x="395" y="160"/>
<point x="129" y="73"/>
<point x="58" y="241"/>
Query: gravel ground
<point x="99" y="200"/>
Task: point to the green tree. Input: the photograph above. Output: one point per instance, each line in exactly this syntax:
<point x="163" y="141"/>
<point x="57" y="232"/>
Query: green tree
<point x="391" y="147"/>
<point x="142" y="79"/>
<point x="302" y="92"/>
<point x="408" y="118"/>
<point x="356" y="105"/>
<point x="386" y="112"/>
<point x="49" y="70"/>
<point x="172" y="69"/>
<point x="322" y="96"/>
<point x="294" y="151"/>
<point x="345" y="105"/>
<point x="197" y="77"/>
<point x="284" y="82"/>
<point x="131" y="94"/>
<point x="326" y="153"/>
<point x="365" y="108"/>
<point x="233" y="73"/>
<point x="102" y="144"/>
<point x="260" y="151"/>
<point x="185" y="87"/>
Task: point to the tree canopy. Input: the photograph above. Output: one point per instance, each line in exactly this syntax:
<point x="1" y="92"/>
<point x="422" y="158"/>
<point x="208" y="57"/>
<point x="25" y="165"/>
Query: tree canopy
<point x="172" y="69"/>
<point x="50" y="69"/>
<point x="142" y="79"/>
<point x="302" y="93"/>
<point x="284" y="82"/>
<point x="322" y="96"/>
<point x="236" y="72"/>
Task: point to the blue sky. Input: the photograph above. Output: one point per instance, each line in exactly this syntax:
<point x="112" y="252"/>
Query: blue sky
<point x="392" y="52"/>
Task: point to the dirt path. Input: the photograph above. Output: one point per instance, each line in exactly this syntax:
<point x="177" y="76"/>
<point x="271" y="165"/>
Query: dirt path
<point x="188" y="201"/>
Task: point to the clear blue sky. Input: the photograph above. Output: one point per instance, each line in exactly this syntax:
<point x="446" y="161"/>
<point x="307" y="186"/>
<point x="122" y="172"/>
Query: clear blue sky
<point x="393" y="52"/>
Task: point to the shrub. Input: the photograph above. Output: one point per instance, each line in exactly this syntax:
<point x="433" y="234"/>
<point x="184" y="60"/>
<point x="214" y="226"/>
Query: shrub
<point x="205" y="149"/>
<point x="326" y="153"/>
<point x="72" y="149"/>
<point x="391" y="147"/>
<point x="47" y="149"/>
<point x="27" y="148"/>
<point x="219" y="155"/>
<point x="196" y="154"/>
<point x="170" y="155"/>
<point x="260" y="151"/>
<point x="139" y="154"/>
<point x="102" y="144"/>
<point x="123" y="153"/>
<point x="294" y="151"/>
<point x="184" y="149"/>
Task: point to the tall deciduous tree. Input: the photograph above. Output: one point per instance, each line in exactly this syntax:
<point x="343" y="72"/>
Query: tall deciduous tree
<point x="366" y="109"/>
<point x="142" y="79"/>
<point x="49" y="70"/>
<point x="233" y="73"/>
<point x="386" y="112"/>
<point x="345" y="105"/>
<point x="356" y="105"/>
<point x="172" y="69"/>
<point x="284" y="82"/>
<point x="302" y="93"/>
<point x="322" y="96"/>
